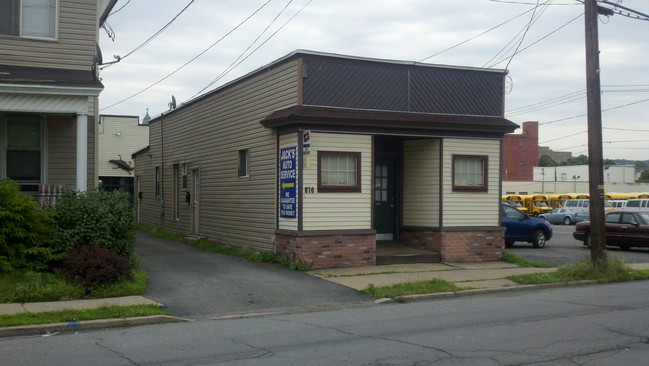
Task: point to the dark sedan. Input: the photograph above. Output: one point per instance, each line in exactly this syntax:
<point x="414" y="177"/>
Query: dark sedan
<point x="624" y="229"/>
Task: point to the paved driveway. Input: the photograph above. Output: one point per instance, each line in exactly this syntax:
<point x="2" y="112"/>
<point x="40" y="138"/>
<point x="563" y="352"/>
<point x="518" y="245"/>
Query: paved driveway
<point x="195" y="284"/>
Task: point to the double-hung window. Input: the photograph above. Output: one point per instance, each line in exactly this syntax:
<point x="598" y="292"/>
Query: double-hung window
<point x="470" y="173"/>
<point x="29" y="18"/>
<point x="339" y="171"/>
<point x="23" y="152"/>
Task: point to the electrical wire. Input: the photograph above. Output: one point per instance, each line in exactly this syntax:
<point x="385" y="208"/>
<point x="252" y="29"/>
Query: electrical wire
<point x="122" y="7"/>
<point x="231" y="66"/>
<point x="529" y="25"/>
<point x="191" y="60"/>
<point x="119" y="58"/>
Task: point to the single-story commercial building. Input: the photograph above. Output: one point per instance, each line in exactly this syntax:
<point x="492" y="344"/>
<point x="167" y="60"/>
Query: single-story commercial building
<point x="324" y="157"/>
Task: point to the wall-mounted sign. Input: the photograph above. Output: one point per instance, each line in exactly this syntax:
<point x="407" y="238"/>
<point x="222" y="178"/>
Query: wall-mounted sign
<point x="287" y="183"/>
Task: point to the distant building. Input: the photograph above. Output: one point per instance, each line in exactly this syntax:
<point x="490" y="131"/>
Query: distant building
<point x="521" y="153"/>
<point x="119" y="138"/>
<point x="558" y="156"/>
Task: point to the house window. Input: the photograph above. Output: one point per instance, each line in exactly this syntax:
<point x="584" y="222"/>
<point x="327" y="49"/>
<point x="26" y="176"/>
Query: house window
<point x="158" y="181"/>
<point x="339" y="171"/>
<point x="469" y="173"/>
<point x="184" y="173"/>
<point x="28" y="18"/>
<point x="244" y="163"/>
<point x="24" y="138"/>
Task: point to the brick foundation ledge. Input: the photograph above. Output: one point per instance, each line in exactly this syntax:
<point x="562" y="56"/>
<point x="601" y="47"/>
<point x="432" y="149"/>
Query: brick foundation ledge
<point x="460" y="244"/>
<point x="328" y="248"/>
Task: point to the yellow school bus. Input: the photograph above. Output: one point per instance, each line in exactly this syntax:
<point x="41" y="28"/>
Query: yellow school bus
<point x="515" y="200"/>
<point x="557" y="200"/>
<point x="536" y="204"/>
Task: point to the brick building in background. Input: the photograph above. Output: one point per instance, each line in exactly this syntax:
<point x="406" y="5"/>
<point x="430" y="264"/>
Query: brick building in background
<point x="521" y="153"/>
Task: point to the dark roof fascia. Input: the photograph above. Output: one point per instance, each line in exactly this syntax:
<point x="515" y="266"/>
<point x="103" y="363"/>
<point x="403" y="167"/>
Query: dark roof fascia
<point x="300" y="53"/>
<point x="50" y="77"/>
<point x="104" y="15"/>
<point x="323" y="117"/>
<point x="140" y="152"/>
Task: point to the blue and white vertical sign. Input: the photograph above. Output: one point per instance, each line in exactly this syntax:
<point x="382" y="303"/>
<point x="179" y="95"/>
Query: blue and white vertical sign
<point x="287" y="180"/>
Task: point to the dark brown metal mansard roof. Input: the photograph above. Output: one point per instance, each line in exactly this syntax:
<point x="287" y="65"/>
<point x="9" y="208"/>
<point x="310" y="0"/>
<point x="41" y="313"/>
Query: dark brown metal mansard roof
<point x="387" y="122"/>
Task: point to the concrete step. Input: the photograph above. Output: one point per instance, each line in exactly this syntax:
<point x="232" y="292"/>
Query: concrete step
<point x="408" y="258"/>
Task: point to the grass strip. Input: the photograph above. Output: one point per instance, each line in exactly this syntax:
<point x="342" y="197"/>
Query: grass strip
<point x="522" y="262"/>
<point x="616" y="271"/>
<point x="64" y="316"/>
<point x="412" y="288"/>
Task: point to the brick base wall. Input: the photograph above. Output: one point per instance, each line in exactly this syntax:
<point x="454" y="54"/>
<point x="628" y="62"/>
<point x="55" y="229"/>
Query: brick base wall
<point x="460" y="246"/>
<point x="328" y="251"/>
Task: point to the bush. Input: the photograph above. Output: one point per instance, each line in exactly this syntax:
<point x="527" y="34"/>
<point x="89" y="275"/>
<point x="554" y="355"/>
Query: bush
<point x="24" y="232"/>
<point x="94" y="266"/>
<point x="95" y="218"/>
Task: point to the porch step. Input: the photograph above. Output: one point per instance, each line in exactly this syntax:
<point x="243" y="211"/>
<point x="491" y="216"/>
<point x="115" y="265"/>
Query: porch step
<point x="194" y="237"/>
<point x="404" y="253"/>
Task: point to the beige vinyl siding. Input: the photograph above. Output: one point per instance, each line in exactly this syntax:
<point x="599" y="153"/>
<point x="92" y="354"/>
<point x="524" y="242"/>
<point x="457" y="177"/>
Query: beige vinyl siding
<point x="421" y="183"/>
<point x="290" y="140"/>
<point x="132" y="137"/>
<point x="338" y="211"/>
<point x="61" y="155"/>
<point x="74" y="48"/>
<point x="208" y="135"/>
<point x="471" y="208"/>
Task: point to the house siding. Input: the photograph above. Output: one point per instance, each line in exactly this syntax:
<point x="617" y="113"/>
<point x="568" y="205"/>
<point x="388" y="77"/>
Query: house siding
<point x="421" y="200"/>
<point x="471" y="208"/>
<point x="233" y="210"/>
<point x="339" y="211"/>
<point x="132" y="137"/>
<point x="73" y="49"/>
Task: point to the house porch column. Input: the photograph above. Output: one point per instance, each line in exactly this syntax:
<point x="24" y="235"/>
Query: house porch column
<point x="82" y="152"/>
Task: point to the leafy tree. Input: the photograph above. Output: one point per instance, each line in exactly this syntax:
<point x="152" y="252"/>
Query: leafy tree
<point x="545" y="160"/>
<point x="579" y="160"/>
<point x="24" y="231"/>
<point x="609" y="162"/>
<point x="644" y="176"/>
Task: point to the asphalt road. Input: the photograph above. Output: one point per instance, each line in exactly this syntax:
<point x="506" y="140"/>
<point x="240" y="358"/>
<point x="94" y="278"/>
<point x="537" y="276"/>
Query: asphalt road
<point x="195" y="284"/>
<point x="585" y="325"/>
<point x="563" y="249"/>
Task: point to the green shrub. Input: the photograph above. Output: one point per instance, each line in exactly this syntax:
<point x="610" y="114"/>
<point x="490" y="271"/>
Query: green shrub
<point x="24" y="231"/>
<point x="95" y="218"/>
<point x="94" y="266"/>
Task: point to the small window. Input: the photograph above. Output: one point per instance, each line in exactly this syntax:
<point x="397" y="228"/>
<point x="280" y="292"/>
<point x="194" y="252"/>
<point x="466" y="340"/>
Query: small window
<point x="28" y="18"/>
<point x="23" y="151"/>
<point x="469" y="173"/>
<point x="184" y="178"/>
<point x="339" y="171"/>
<point x="244" y="163"/>
<point x="158" y="181"/>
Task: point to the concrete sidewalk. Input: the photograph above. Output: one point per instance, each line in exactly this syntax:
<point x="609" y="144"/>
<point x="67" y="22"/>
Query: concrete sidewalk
<point x="478" y="276"/>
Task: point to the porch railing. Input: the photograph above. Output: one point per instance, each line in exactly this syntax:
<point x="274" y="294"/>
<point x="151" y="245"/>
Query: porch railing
<point x="48" y="194"/>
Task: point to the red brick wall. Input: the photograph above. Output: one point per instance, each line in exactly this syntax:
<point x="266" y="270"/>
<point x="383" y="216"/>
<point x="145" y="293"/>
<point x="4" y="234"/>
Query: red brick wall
<point x="460" y="246"/>
<point x="521" y="153"/>
<point x="329" y="251"/>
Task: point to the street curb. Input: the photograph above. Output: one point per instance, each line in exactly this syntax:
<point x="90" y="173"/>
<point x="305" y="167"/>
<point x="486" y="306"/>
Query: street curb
<point x="448" y="295"/>
<point x="46" y="330"/>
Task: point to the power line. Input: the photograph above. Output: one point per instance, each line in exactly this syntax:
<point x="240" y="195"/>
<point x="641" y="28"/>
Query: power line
<point x="231" y="66"/>
<point x="122" y="7"/>
<point x="529" y="25"/>
<point x="119" y="58"/>
<point x="476" y="36"/>
<point x="190" y="61"/>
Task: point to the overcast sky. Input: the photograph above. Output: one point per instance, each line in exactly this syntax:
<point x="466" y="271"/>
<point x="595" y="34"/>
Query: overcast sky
<point x="547" y="81"/>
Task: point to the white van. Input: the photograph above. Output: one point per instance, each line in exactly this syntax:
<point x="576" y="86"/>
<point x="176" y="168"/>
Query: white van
<point x="579" y="206"/>
<point x="638" y="203"/>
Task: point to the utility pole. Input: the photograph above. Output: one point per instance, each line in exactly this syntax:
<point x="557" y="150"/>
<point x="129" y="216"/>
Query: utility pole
<point x="595" y="156"/>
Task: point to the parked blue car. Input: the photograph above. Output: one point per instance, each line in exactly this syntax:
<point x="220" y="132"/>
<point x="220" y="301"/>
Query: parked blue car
<point x="520" y="227"/>
<point x="563" y="216"/>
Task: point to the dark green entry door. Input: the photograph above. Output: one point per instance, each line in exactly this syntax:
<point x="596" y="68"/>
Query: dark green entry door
<point x="384" y="199"/>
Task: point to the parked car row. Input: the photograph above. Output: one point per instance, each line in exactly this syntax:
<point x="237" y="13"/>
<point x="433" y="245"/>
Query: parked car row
<point x="563" y="216"/>
<point x="625" y="228"/>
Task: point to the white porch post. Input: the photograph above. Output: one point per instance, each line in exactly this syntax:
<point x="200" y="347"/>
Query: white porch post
<point x="82" y="152"/>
